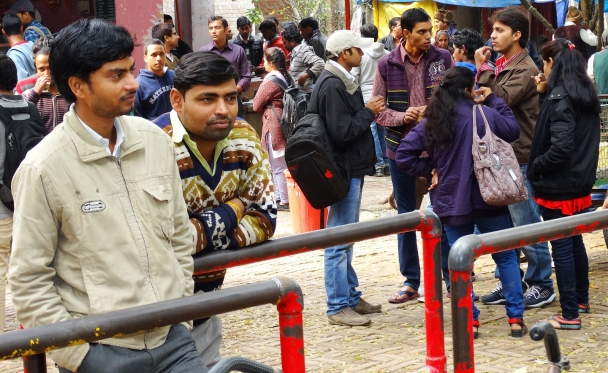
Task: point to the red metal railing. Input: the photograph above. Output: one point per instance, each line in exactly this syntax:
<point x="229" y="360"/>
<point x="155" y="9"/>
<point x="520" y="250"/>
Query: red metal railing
<point x="464" y="252"/>
<point x="424" y="221"/>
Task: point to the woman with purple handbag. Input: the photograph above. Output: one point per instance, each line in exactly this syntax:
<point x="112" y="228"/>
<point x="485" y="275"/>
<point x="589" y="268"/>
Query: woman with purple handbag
<point x="446" y="134"/>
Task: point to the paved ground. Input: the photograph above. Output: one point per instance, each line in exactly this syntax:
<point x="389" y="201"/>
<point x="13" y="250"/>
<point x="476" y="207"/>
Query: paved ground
<point x="395" y="342"/>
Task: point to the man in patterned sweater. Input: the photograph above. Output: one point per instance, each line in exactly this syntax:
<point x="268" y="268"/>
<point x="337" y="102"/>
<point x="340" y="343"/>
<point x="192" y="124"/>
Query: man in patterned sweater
<point x="225" y="171"/>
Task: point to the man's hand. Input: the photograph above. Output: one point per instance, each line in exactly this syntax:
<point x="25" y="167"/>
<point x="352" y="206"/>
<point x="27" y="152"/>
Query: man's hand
<point x="482" y="55"/>
<point x="41" y="83"/>
<point x="412" y="113"/>
<point x="239" y="89"/>
<point x="377" y="104"/>
<point x="239" y="204"/>
<point x="302" y="79"/>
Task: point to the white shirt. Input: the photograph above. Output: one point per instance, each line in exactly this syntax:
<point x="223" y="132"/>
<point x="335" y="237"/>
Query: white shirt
<point x="348" y="75"/>
<point x="105" y="143"/>
<point x="587" y="35"/>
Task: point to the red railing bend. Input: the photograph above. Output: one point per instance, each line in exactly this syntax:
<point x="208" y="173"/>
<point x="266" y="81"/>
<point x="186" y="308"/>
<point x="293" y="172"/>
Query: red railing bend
<point x="424" y="221"/>
<point x="464" y="252"/>
<point x="281" y="291"/>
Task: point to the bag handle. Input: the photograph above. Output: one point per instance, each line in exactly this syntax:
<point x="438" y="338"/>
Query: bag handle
<point x="483" y="115"/>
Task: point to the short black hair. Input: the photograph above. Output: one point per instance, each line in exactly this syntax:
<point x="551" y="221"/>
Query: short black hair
<point x="167" y="17"/>
<point x="242" y="21"/>
<point x="267" y="25"/>
<point x="161" y="30"/>
<point x="83" y="47"/>
<point x="470" y="39"/>
<point x="410" y="17"/>
<point x="152" y="41"/>
<point x="218" y="18"/>
<point x="8" y="73"/>
<point x="515" y="18"/>
<point x="368" y="30"/>
<point x="309" y="22"/>
<point x="287" y="24"/>
<point x="11" y="24"/>
<point x="274" y="19"/>
<point x="291" y="33"/>
<point x="394" y="22"/>
<point x="203" y="68"/>
<point x="39" y="44"/>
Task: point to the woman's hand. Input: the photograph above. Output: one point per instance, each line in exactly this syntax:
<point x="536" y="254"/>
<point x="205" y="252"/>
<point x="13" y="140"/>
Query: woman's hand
<point x="481" y="94"/>
<point x="434" y="179"/>
<point x="539" y="78"/>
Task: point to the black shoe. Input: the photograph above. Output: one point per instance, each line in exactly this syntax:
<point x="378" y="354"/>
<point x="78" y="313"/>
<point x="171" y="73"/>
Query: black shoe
<point x="538" y="296"/>
<point x="495" y="297"/>
<point x="387" y="170"/>
<point x="379" y="171"/>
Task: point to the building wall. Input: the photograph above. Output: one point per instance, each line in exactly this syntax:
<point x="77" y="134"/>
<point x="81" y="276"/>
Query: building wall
<point x="231" y="10"/>
<point x="169" y="8"/>
<point x="272" y="7"/>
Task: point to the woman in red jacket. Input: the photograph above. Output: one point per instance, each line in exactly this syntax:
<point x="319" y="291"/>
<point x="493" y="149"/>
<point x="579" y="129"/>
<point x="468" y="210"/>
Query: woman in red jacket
<point x="269" y="102"/>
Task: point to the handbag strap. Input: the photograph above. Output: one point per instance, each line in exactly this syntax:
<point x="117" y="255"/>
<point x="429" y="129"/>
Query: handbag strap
<point x="483" y="116"/>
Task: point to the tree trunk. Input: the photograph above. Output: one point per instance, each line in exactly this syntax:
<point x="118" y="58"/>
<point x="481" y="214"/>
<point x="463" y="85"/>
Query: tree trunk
<point x="586" y="9"/>
<point x="600" y="23"/>
<point x="538" y="16"/>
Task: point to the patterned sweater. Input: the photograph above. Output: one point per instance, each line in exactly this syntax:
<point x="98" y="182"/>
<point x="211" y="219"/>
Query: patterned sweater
<point x="242" y="170"/>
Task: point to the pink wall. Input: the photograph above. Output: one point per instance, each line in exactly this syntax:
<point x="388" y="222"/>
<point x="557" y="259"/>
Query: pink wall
<point x="61" y="16"/>
<point x="139" y="16"/>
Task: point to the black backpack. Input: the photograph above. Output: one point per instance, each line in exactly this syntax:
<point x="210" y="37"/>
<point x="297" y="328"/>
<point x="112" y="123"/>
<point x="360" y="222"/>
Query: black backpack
<point x="322" y="173"/>
<point x="21" y="135"/>
<point x="295" y="105"/>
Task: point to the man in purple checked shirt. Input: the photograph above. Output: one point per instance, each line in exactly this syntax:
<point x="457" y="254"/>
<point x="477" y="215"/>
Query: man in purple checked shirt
<point x="218" y="26"/>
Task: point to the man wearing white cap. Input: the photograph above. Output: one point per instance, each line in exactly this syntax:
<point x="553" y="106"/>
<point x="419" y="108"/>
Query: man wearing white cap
<point x="338" y="100"/>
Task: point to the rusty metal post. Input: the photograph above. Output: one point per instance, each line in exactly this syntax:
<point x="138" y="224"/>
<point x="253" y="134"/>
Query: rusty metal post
<point x="464" y="252"/>
<point x="430" y="230"/>
<point x="34" y="363"/>
<point x="290" y="308"/>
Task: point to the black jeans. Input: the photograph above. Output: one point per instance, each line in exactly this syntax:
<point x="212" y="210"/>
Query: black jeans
<point x="571" y="268"/>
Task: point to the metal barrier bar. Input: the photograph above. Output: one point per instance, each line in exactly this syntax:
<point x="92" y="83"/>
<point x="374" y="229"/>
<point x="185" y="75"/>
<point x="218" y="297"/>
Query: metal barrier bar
<point x="464" y="252"/>
<point x="424" y="221"/>
<point x="282" y="292"/>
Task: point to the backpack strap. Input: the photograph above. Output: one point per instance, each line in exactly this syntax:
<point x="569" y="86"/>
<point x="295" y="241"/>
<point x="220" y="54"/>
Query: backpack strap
<point x="279" y="82"/>
<point x="38" y="30"/>
<point x="6" y="114"/>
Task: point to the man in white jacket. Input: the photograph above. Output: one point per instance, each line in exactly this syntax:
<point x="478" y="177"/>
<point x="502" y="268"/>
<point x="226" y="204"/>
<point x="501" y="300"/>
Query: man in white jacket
<point x="365" y="73"/>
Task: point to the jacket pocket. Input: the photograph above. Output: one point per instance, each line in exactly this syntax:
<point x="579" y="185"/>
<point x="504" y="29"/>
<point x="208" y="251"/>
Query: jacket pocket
<point x="159" y="200"/>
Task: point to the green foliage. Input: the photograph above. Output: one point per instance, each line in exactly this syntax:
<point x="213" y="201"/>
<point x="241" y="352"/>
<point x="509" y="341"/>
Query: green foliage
<point x="255" y="13"/>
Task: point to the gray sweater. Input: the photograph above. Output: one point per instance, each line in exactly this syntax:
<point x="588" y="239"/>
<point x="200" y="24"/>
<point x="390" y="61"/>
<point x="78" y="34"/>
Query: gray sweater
<point x="304" y="60"/>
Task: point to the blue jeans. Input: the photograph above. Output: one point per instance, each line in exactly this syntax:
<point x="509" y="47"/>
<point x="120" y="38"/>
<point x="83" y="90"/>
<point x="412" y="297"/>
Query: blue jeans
<point x="404" y="188"/>
<point x="571" y="268"/>
<point x="539" y="258"/>
<point x="340" y="277"/>
<point x="378" y="132"/>
<point x="506" y="261"/>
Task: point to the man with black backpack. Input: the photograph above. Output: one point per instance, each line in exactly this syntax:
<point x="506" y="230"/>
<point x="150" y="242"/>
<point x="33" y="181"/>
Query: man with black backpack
<point x="338" y="101"/>
<point x="9" y="104"/>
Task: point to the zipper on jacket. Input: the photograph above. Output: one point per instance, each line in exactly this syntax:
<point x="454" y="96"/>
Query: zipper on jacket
<point x="119" y="163"/>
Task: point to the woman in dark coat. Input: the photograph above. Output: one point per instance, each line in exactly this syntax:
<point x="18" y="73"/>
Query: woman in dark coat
<point x="562" y="167"/>
<point x="446" y="134"/>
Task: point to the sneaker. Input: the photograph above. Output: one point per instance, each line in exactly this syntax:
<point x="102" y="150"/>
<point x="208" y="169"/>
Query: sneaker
<point x="387" y="170"/>
<point x="349" y="317"/>
<point x="538" y="296"/>
<point x="281" y="207"/>
<point x="495" y="297"/>
<point x="379" y="171"/>
<point x="364" y="307"/>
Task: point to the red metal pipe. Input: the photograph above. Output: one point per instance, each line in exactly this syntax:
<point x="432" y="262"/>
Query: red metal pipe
<point x="292" y="332"/>
<point x="347" y="13"/>
<point x="436" y="361"/>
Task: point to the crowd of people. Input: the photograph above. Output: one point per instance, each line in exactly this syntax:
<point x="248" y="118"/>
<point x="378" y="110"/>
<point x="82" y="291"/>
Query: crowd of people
<point x="136" y="175"/>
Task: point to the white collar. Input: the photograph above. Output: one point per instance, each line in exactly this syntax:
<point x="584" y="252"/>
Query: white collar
<point x="169" y="56"/>
<point x="105" y="143"/>
<point x="568" y="23"/>
<point x="178" y="128"/>
<point x="346" y="73"/>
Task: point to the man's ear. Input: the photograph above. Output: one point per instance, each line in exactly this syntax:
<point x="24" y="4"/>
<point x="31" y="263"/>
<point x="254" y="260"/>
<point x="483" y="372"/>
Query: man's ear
<point x="516" y="36"/>
<point x="77" y="86"/>
<point x="177" y="100"/>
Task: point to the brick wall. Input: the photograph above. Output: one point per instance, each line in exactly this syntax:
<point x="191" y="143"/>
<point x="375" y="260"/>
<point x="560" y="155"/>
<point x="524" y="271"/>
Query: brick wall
<point x="231" y="10"/>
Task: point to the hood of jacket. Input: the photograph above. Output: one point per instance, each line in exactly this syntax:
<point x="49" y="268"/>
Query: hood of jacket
<point x="375" y="51"/>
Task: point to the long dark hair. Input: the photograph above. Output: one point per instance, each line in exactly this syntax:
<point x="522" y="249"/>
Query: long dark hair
<point x="441" y="109"/>
<point x="277" y="57"/>
<point x="569" y="70"/>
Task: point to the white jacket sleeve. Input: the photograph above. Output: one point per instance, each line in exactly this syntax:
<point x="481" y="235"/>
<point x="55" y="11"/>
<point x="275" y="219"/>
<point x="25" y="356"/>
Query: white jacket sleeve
<point x="31" y="276"/>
